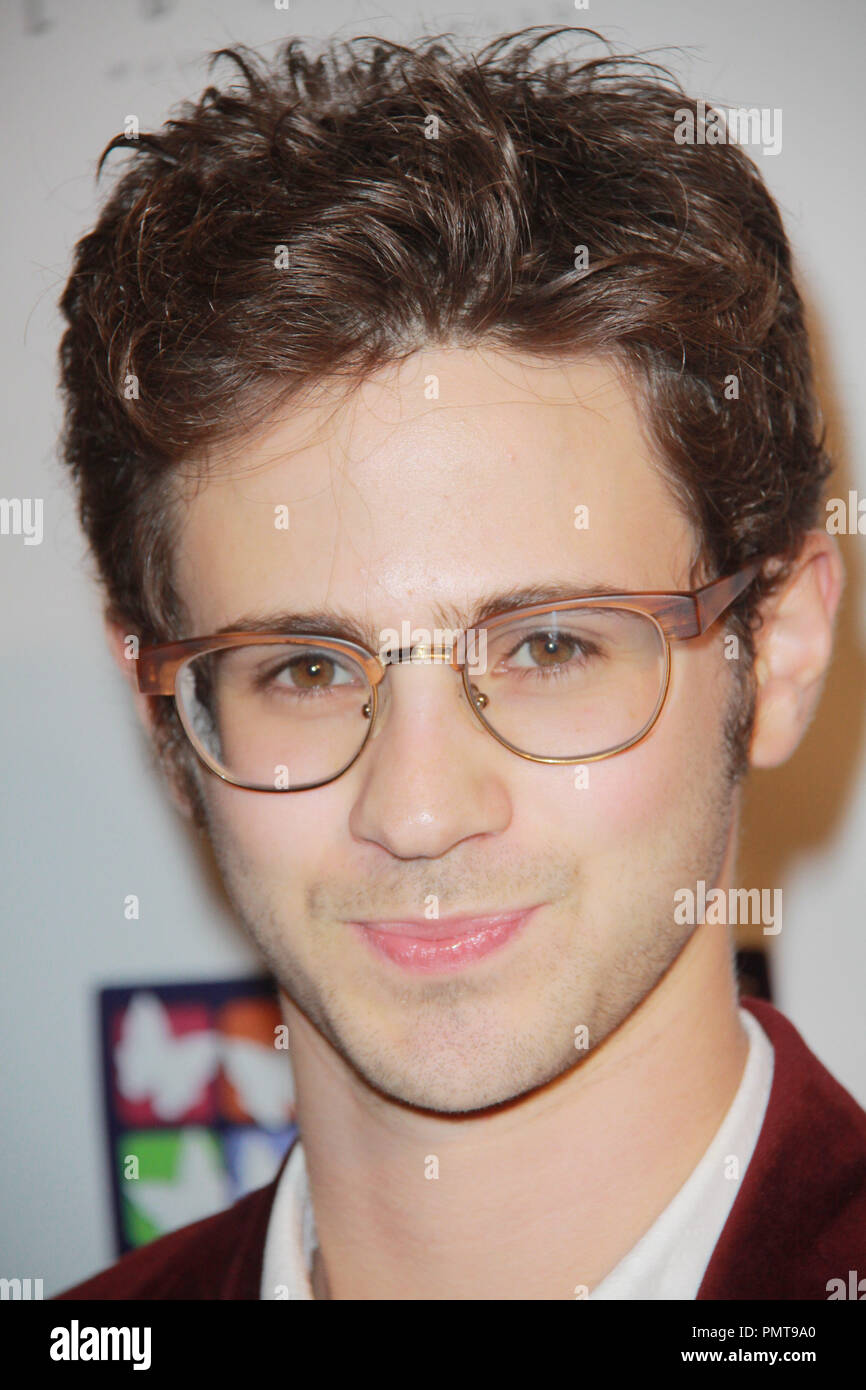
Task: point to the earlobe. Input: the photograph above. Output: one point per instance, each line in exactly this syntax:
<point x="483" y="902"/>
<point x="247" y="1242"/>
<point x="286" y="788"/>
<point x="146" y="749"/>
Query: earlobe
<point x="123" y="645"/>
<point x="776" y="731"/>
<point x="793" y="647"/>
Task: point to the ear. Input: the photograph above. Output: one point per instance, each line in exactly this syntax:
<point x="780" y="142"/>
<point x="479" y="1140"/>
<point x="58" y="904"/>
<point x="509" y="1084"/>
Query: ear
<point x="792" y="650"/>
<point x="123" y="645"/>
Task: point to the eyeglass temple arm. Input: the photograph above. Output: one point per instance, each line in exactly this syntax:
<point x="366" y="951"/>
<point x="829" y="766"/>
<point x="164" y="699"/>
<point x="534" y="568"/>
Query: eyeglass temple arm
<point x="713" y="599"/>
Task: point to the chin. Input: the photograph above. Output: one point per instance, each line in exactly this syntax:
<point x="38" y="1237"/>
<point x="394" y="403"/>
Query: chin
<point x="461" y="1093"/>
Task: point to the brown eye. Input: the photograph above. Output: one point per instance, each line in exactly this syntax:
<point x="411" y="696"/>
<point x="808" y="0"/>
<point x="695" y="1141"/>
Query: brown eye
<point x="549" y="648"/>
<point x="310" y="672"/>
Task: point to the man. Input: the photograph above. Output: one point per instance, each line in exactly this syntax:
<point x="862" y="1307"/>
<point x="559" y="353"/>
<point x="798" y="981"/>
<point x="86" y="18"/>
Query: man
<point x="400" y="344"/>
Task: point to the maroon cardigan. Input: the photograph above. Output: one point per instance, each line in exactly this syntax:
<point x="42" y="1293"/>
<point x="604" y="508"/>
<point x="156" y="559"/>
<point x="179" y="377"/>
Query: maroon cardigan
<point x="798" y="1221"/>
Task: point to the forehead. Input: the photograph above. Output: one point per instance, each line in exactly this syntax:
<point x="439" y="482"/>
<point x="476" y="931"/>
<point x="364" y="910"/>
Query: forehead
<point x="452" y="474"/>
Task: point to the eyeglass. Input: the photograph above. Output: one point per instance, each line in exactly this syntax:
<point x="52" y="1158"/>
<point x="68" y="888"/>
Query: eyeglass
<point x="271" y="711"/>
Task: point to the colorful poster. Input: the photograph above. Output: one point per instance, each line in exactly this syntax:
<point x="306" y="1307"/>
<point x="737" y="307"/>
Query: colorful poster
<point x="199" y="1100"/>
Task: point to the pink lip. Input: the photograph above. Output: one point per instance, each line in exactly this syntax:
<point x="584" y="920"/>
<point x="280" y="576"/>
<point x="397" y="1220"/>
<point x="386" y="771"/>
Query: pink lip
<point x="447" y="943"/>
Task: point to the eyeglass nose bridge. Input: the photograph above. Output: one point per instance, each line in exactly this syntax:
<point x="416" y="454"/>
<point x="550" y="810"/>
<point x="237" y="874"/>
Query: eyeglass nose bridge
<point x="421" y="652"/>
<point x="424" y="653"/>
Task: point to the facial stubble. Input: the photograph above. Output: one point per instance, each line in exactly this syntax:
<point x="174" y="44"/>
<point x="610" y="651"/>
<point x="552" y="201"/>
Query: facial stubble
<point x="464" y="1042"/>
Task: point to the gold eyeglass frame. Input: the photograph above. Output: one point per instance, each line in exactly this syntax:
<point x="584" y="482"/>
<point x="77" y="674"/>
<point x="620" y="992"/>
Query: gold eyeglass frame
<point x="677" y="616"/>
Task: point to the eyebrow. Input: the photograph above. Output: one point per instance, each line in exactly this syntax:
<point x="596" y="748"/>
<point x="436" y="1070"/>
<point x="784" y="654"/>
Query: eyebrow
<point x="336" y="622"/>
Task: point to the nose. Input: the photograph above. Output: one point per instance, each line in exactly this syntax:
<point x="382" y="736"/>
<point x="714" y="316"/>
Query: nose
<point x="430" y="776"/>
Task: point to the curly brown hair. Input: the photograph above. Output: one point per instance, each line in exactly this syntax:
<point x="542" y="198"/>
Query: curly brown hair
<point x="423" y="195"/>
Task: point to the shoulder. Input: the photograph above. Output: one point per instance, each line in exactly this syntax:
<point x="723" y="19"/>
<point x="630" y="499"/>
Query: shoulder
<point x="219" y="1257"/>
<point x="799" y="1220"/>
<point x="810" y="1113"/>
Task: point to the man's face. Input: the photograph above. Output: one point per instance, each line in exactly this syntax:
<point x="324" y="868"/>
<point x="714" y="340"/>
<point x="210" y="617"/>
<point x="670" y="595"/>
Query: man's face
<point x="400" y="504"/>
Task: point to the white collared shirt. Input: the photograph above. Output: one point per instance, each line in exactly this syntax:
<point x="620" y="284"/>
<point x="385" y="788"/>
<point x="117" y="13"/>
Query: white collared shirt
<point x="669" y="1260"/>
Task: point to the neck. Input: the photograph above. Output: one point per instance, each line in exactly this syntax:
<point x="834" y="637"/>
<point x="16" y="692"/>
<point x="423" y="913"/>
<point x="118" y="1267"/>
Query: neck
<point x="535" y="1198"/>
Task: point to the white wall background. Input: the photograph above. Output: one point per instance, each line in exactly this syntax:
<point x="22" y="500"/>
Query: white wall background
<point x="84" y="820"/>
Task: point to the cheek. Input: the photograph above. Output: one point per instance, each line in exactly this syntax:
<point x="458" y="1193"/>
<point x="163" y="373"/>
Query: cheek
<point x="280" y="837"/>
<point x="642" y="795"/>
